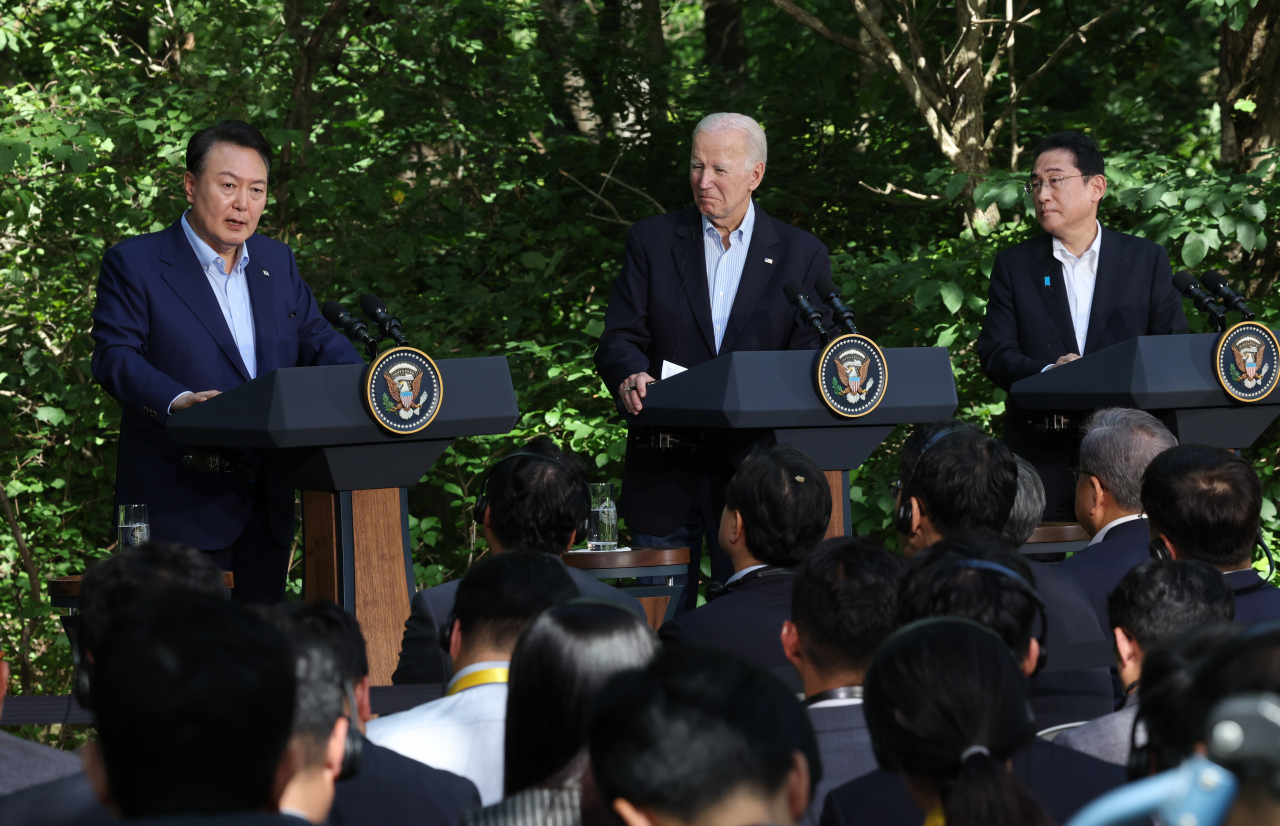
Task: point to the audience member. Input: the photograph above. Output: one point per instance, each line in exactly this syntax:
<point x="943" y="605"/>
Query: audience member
<point x="1028" y="506"/>
<point x="1204" y="503"/>
<point x="1118" y="445"/>
<point x="194" y="700"/>
<point x="462" y="732"/>
<point x="535" y="499"/>
<point x="558" y="667"/>
<point x="26" y="763"/>
<point x="1154" y="601"/>
<point x="777" y="506"/>
<point x="843" y="605"/>
<point x="702" y="737"/>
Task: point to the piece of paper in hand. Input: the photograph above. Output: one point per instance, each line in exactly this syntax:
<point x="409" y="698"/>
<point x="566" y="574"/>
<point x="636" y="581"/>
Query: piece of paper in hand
<point x="670" y="368"/>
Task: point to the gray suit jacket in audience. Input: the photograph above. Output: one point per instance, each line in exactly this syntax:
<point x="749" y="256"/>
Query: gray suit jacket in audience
<point x="24" y="763"/>
<point x="67" y="801"/>
<point x="1106" y="738"/>
<point x="845" y="746"/>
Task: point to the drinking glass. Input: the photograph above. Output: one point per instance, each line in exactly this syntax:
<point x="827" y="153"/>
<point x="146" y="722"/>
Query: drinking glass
<point x="133" y="526"/>
<point x="602" y="533"/>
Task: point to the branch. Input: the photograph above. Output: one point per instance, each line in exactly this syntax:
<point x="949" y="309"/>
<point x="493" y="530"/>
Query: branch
<point x="23" y="551"/>
<point x="1005" y="39"/>
<point x="841" y="40"/>
<point x="989" y="144"/>
<point x="617" y="218"/>
<point x="889" y="189"/>
<point x="633" y="189"/>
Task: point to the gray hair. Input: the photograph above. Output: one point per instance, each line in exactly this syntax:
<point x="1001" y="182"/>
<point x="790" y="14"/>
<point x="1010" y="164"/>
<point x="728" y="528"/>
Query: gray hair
<point x="1028" y="507"/>
<point x="757" y="146"/>
<point x="1118" y="445"/>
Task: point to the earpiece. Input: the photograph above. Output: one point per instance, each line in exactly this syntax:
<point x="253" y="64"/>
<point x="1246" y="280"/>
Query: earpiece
<point x="906" y="512"/>
<point x="354" y="748"/>
<point x="1025" y="587"/>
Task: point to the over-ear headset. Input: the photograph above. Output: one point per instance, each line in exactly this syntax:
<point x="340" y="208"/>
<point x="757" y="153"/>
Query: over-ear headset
<point x="1022" y="585"/>
<point x="906" y="512"/>
<point x="482" y="499"/>
<point x="446" y="630"/>
<point x="353" y="749"/>
<point x="1157" y="549"/>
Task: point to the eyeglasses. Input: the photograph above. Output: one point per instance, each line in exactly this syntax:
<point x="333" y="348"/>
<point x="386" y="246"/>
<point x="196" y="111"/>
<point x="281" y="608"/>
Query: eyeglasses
<point x="1077" y="472"/>
<point x="1054" y="182"/>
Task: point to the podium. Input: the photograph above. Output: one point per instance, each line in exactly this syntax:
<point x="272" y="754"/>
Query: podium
<point x="1171" y="377"/>
<point x="309" y="425"/>
<point x="749" y="398"/>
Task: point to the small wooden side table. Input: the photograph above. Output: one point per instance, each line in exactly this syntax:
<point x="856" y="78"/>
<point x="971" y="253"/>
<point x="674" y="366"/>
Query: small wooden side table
<point x="659" y="601"/>
<point x="1056" y="538"/>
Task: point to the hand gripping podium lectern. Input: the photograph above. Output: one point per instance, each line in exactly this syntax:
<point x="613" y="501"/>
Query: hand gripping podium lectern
<point x="309" y="425"/>
<point x="748" y="398"/>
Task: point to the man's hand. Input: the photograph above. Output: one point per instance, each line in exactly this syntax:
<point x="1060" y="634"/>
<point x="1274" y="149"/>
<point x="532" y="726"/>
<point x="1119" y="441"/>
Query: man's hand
<point x="187" y="399"/>
<point x="1067" y="359"/>
<point x="632" y="390"/>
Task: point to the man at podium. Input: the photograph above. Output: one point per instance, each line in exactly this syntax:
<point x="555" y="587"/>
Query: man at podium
<point x="1072" y="291"/>
<point x="697" y="283"/>
<point x="186" y="313"/>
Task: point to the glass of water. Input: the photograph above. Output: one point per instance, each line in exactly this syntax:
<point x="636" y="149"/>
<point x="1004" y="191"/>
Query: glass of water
<point x="602" y="533"/>
<point x="133" y="526"/>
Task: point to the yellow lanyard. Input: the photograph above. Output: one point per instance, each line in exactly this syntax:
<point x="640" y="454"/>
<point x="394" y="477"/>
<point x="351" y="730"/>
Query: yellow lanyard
<point x="488" y="675"/>
<point x="935" y="818"/>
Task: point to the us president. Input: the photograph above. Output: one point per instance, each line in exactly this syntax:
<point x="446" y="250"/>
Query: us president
<point x="194" y="310"/>
<point x="1072" y="291"/>
<point x="698" y="283"/>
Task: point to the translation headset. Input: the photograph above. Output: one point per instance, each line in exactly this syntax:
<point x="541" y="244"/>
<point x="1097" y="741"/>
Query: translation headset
<point x="905" y="514"/>
<point x="353" y="749"/>
<point x="1022" y="585"/>
<point x="1158" y="550"/>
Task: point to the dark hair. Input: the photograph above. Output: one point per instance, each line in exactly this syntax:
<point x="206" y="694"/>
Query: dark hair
<point x="536" y="504"/>
<point x="966" y="481"/>
<point x="1083" y="149"/>
<point x="115" y="584"/>
<point x="321" y="683"/>
<point x="193" y="699"/>
<point x="325" y="622"/>
<point x="935" y="586"/>
<point x="559" y="665"/>
<point x="844" y="601"/>
<point x="935" y="690"/>
<point x="784" y="500"/>
<point x="1162" y="597"/>
<point x="1248" y="663"/>
<point x="235" y="132"/>
<point x="500" y="595"/>
<point x="1206" y="500"/>
<point x="693" y="727"/>
<point x="1028" y="506"/>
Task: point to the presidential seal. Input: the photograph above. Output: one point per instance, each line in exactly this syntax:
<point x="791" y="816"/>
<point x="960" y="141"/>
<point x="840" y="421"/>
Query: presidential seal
<point x="402" y="390"/>
<point x="852" y="375"/>
<point x="1247" y="360"/>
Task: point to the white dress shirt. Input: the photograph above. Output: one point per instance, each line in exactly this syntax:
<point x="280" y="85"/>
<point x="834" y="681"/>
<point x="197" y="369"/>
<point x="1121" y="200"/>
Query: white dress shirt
<point x="724" y="267"/>
<point x="1080" y="275"/>
<point x="740" y="574"/>
<point x="463" y="733"/>
<point x="1102" y="534"/>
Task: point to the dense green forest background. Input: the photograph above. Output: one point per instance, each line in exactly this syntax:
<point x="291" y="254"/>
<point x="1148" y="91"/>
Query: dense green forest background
<point x="477" y="163"/>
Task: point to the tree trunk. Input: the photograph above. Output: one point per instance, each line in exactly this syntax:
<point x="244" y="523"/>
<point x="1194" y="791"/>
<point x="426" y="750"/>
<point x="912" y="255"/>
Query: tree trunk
<point x="968" y="128"/>
<point x="726" y="40"/>
<point x="1249" y="71"/>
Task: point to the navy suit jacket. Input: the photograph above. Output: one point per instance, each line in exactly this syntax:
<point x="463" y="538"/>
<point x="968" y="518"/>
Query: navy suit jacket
<point x="158" y="331"/>
<point x="661" y="310"/>
<point x="1059" y="697"/>
<point x="392" y="790"/>
<point x="844" y="741"/>
<point x="1099" y="568"/>
<point x="1256" y="599"/>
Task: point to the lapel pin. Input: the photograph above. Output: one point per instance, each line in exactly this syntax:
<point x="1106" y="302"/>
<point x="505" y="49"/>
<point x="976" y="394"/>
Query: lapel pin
<point x="768" y="260"/>
<point x="267" y="274"/>
<point x="1046" y="280"/>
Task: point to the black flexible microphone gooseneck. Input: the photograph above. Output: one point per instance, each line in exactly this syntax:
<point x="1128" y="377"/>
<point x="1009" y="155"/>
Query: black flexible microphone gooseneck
<point x="354" y="328"/>
<point x="388" y="325"/>
<point x="1184" y="283"/>
<point x="1215" y="283"/>
<point x="796" y="295"/>
<point x="843" y="313"/>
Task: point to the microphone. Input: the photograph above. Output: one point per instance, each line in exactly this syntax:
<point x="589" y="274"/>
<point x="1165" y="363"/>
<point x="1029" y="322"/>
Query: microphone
<point x="830" y="295"/>
<point x="795" y="294"/>
<point x="388" y="325"/>
<point x="356" y="330"/>
<point x="1184" y="283"/>
<point x="1215" y="283"/>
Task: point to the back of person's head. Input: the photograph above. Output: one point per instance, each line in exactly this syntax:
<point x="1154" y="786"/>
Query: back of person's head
<point x="1206" y="500"/>
<point x="1028" y="506"/>
<point x="1118" y="445"/>
<point x="953" y="578"/>
<point x="946" y="704"/>
<point x="537" y="498"/>
<point x="321" y="684"/>
<point x="695" y="727"/>
<point x="1248" y="663"/>
<point x="1083" y="148"/>
<point x="499" y="595"/>
<point x="1163" y="597"/>
<point x="965" y="481"/>
<point x="844" y="601"/>
<point x="115" y="584"/>
<point x="784" y="500"/>
<point x="194" y="700"/>
<point x="326" y="622"/>
<point x="562" y="660"/>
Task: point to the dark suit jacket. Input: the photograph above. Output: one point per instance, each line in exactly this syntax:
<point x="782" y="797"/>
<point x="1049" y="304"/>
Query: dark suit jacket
<point x="1099" y="568"/>
<point x="1256" y="599"/>
<point x="661" y="310"/>
<point x="158" y="331"/>
<point x="845" y="745"/>
<point x="746" y="622"/>
<point x="421" y="658"/>
<point x="67" y="801"/>
<point x="1059" y="697"/>
<point x="393" y="789"/>
<point x="1064" y="781"/>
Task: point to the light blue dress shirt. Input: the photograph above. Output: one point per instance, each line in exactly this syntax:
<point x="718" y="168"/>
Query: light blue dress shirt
<point x="724" y="267"/>
<point x="232" y="292"/>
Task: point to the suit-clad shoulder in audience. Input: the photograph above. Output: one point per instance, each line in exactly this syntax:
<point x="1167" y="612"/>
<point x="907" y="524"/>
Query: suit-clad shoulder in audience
<point x="462" y="732"/>
<point x="1118" y="445"/>
<point x="777" y="506"/>
<point x="843" y="605"/>
<point x="1205" y="503"/>
<point x="1153" y="602"/>
<point x="559" y="666"/>
<point x="536" y="500"/>
<point x="955" y="481"/>
<point x="702" y="737"/>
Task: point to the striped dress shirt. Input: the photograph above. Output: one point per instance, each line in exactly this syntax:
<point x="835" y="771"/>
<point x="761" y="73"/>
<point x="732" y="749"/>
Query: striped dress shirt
<point x="724" y="267"/>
